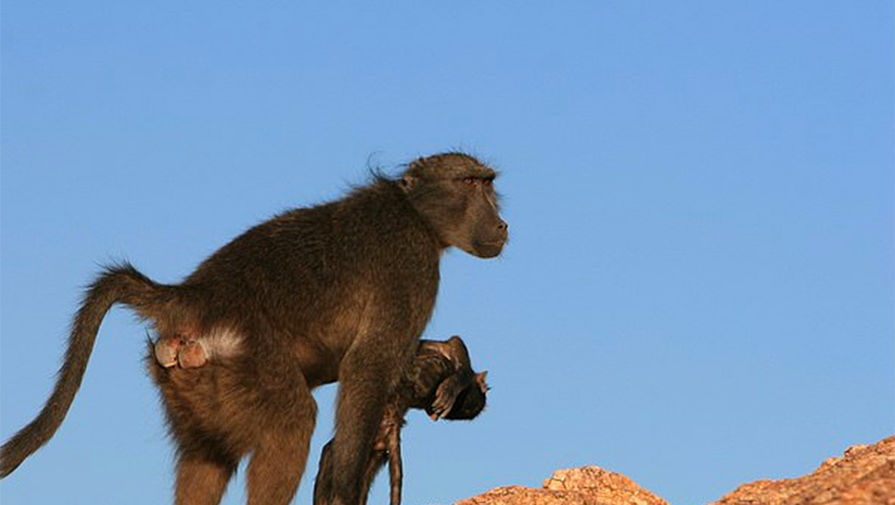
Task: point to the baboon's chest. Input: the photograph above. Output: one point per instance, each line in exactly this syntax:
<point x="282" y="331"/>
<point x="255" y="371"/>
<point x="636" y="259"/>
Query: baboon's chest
<point x="360" y="311"/>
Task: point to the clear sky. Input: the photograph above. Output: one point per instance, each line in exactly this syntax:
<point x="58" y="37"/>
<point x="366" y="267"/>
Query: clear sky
<point x="698" y="291"/>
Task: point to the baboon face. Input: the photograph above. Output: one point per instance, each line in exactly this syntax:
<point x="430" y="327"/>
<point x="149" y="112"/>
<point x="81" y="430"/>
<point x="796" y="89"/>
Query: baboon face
<point x="455" y="193"/>
<point x="471" y="401"/>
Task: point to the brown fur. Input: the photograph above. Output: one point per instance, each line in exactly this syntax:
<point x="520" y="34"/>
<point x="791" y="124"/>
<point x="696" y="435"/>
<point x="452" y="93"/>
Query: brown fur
<point x="340" y="291"/>
<point x="438" y="375"/>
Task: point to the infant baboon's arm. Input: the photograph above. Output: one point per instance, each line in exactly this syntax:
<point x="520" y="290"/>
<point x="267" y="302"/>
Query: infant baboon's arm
<point x="395" y="467"/>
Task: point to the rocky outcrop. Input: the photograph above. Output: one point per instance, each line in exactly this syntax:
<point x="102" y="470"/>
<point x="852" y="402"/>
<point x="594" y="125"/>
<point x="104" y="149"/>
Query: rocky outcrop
<point x="864" y="475"/>
<point x="579" y="486"/>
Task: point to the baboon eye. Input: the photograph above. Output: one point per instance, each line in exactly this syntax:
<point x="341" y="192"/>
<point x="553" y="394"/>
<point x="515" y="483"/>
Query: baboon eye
<point x="486" y="182"/>
<point x="469" y="180"/>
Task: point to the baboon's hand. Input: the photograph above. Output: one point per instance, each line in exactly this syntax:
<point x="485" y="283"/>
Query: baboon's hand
<point x="445" y="396"/>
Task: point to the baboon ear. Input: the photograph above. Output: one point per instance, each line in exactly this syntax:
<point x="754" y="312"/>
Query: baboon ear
<point x="413" y="174"/>
<point x="480" y="380"/>
<point x="408" y="182"/>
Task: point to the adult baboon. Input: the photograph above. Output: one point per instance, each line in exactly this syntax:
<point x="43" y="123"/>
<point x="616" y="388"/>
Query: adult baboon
<point x="441" y="381"/>
<point x="340" y="291"/>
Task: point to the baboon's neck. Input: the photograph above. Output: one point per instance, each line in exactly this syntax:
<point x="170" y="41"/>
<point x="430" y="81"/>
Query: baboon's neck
<point x="392" y="207"/>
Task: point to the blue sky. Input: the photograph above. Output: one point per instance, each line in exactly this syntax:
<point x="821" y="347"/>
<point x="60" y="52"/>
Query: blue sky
<point x="699" y="288"/>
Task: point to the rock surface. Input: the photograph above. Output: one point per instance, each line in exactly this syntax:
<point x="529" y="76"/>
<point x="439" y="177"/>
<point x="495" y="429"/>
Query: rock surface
<point x="579" y="486"/>
<point x="864" y="475"/>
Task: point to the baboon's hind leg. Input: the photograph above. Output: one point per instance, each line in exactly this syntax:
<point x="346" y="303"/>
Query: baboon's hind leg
<point x="278" y="460"/>
<point x="323" y="484"/>
<point x="202" y="478"/>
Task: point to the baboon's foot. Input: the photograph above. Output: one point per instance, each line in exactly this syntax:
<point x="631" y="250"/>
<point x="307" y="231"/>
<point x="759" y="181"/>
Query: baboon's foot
<point x="191" y="355"/>
<point x="166" y="350"/>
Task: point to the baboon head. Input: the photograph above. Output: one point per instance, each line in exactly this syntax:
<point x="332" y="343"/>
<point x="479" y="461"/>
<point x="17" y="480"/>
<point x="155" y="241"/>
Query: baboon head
<point x="471" y="401"/>
<point x="455" y="193"/>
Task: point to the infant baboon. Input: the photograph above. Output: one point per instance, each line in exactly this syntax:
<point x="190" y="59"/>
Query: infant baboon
<point x="339" y="291"/>
<point x="441" y="381"/>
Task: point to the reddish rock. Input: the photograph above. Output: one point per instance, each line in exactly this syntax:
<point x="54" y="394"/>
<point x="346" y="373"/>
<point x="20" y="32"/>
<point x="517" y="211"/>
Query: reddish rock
<point x="864" y="475"/>
<point x="579" y="486"/>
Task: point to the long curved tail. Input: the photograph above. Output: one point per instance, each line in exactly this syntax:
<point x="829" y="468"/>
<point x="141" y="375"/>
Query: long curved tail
<point x="116" y="284"/>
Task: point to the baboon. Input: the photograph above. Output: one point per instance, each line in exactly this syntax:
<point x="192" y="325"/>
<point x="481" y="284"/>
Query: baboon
<point x="336" y="292"/>
<point x="441" y="381"/>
